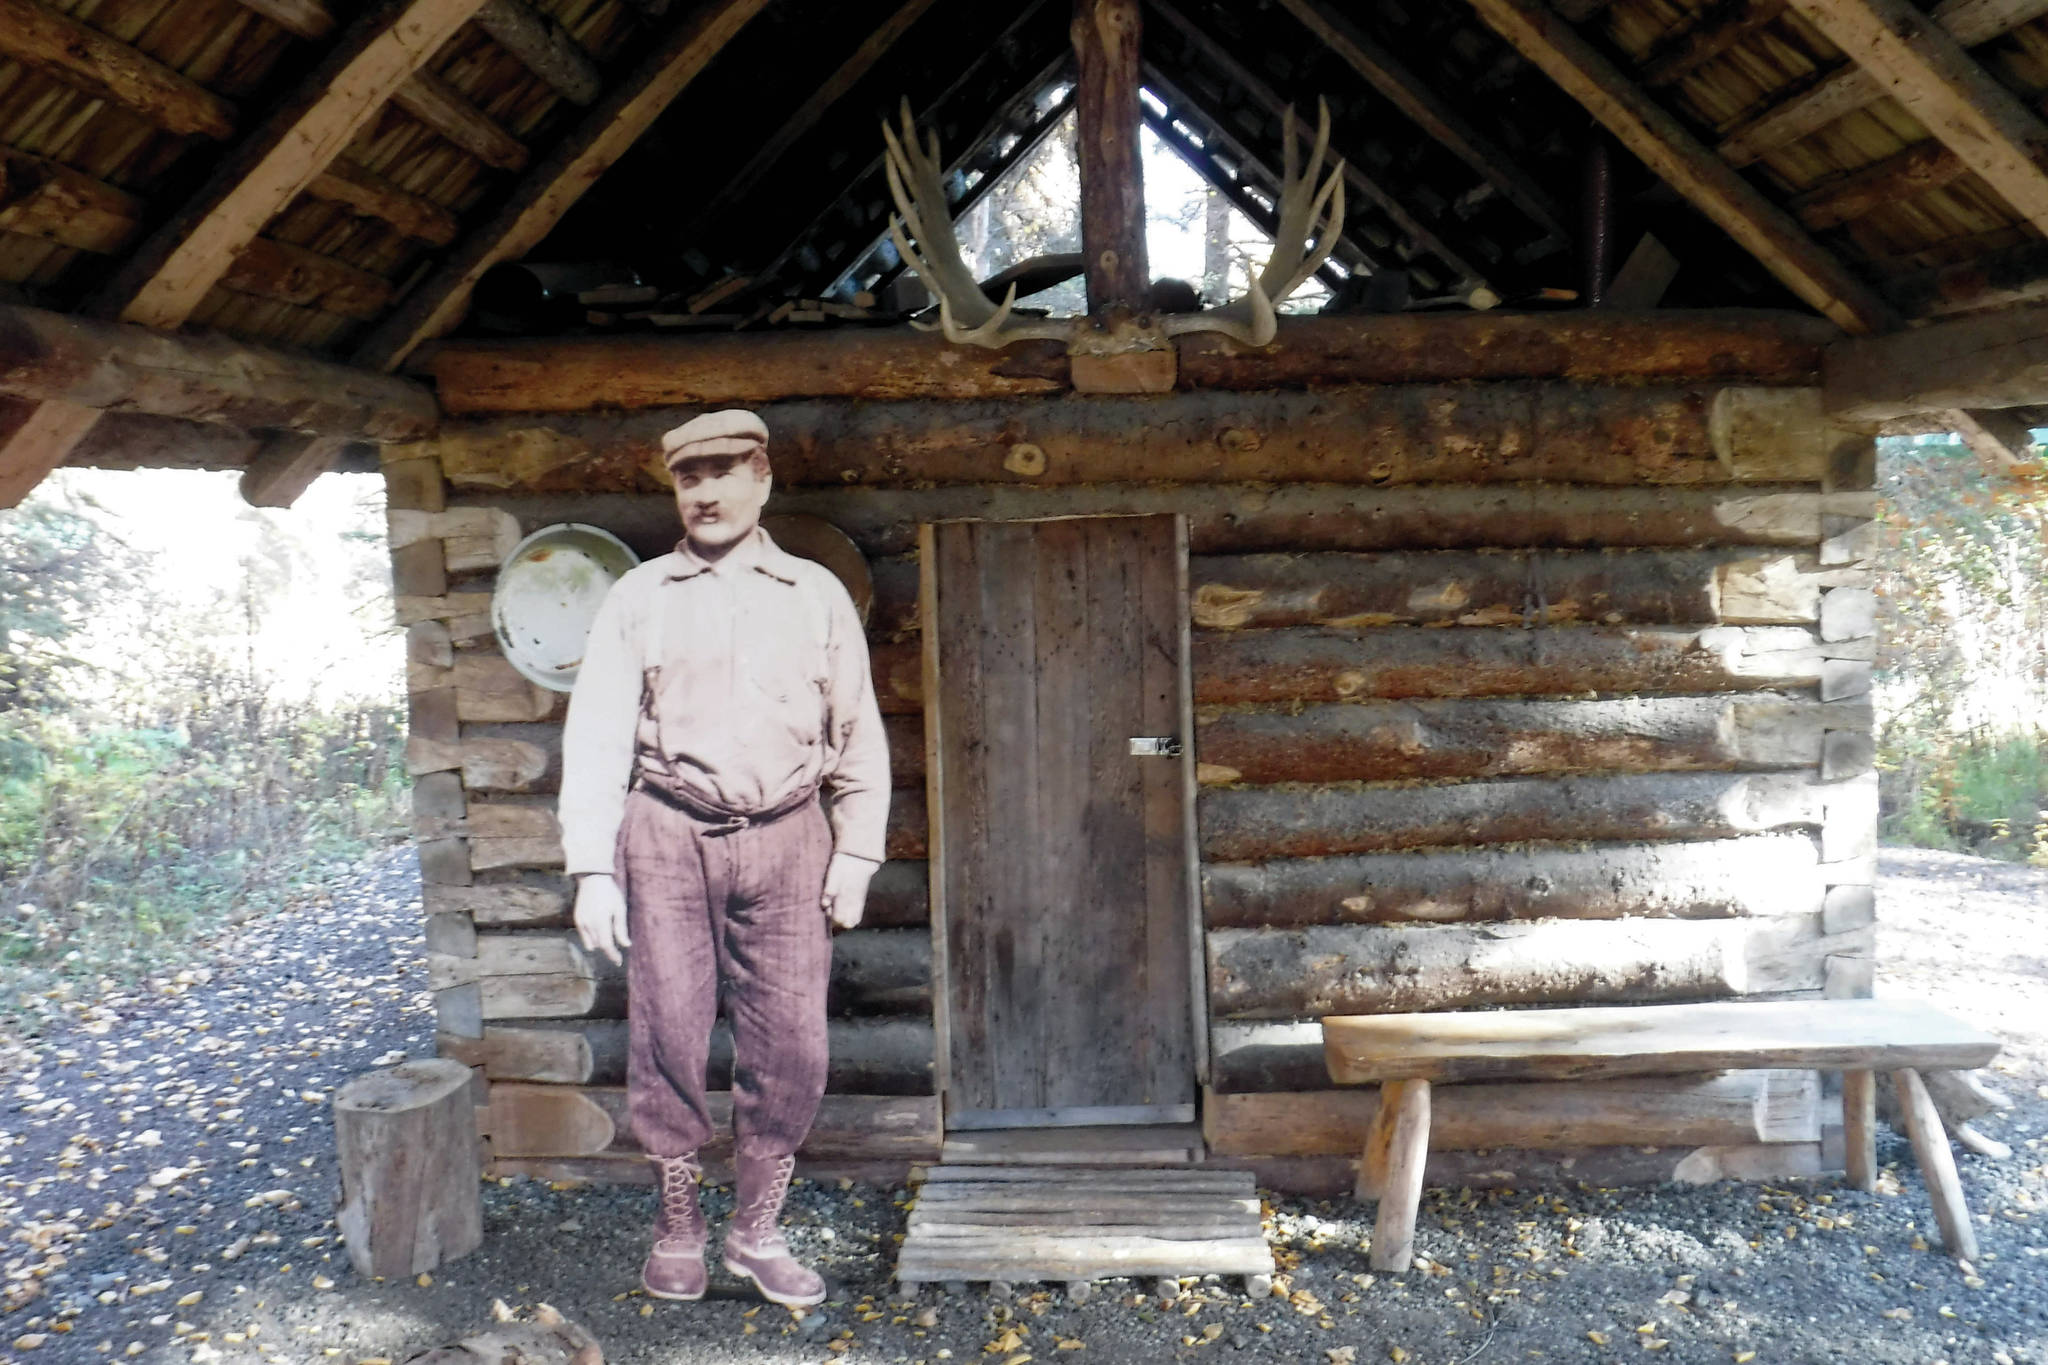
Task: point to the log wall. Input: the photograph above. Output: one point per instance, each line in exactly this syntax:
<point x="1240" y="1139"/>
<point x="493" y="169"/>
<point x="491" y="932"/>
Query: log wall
<point x="1507" y="694"/>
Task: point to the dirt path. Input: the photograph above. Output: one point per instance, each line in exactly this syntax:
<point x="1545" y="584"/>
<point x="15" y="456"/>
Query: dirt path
<point x="166" y="1182"/>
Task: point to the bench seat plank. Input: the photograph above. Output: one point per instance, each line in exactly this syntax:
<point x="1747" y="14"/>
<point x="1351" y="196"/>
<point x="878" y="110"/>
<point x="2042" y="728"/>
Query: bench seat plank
<point x="1633" y="1040"/>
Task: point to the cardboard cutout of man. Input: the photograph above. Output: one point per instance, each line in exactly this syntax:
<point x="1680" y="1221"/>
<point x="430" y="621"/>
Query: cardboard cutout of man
<point x="725" y="686"/>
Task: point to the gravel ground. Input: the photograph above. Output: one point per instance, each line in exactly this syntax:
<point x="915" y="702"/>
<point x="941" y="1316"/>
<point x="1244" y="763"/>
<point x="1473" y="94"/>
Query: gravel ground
<point x="167" y="1178"/>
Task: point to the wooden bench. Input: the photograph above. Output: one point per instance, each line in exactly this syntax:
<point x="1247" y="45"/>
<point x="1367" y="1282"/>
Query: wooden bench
<point x="1406" y="1053"/>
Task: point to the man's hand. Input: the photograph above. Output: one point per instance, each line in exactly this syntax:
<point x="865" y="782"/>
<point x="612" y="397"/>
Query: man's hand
<point x="601" y="915"/>
<point x="846" y="889"/>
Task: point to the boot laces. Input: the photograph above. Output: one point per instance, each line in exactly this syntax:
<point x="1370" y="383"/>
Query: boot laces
<point x="680" y="1211"/>
<point x="768" y="1204"/>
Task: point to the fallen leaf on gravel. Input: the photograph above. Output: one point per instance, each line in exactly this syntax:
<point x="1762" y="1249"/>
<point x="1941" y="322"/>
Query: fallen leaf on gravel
<point x="1744" y="1357"/>
<point x="1342" y="1355"/>
<point x="1008" y="1341"/>
<point x="1212" y="1331"/>
<point x="1069" y="1343"/>
<point x="28" y="1341"/>
<point x="1597" y="1338"/>
<point x="1396" y="1354"/>
<point x="424" y="1279"/>
<point x="1898" y="1314"/>
<point x="187" y="1300"/>
<point x="1019" y="1359"/>
<point x="322" y="1282"/>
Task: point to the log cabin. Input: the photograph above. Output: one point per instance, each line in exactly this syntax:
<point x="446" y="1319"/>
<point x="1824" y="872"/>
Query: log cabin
<point x="1500" y="636"/>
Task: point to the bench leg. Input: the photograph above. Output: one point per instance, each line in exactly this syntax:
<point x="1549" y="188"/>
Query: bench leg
<point x="1393" y="1232"/>
<point x="1859" y="1127"/>
<point x="1379" y="1139"/>
<point x="1937" y="1165"/>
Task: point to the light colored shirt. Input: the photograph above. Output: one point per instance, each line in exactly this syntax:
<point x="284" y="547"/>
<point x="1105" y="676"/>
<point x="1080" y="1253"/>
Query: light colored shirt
<point x="742" y="683"/>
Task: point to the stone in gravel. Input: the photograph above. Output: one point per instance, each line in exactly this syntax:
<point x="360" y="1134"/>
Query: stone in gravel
<point x="956" y="1287"/>
<point x="814" y="1325"/>
<point x="927" y="1318"/>
<point x="1080" y="1291"/>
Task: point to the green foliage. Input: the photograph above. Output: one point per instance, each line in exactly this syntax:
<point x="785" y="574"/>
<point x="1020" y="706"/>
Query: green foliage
<point x="1962" y="667"/>
<point x="54" y="564"/>
<point x="171" y="788"/>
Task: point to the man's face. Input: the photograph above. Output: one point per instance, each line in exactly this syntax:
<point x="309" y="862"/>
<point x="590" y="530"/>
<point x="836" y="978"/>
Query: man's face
<point x="719" y="498"/>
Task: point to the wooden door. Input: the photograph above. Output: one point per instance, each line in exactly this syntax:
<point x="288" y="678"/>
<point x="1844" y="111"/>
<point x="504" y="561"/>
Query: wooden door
<point x="1063" y="902"/>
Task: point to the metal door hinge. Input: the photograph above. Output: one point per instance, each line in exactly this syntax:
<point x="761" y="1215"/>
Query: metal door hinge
<point x="1155" y="746"/>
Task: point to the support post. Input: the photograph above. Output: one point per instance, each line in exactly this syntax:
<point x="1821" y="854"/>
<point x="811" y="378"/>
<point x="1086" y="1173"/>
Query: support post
<point x="1393" y="1229"/>
<point x="1105" y="36"/>
<point x="1937" y="1165"/>
<point x="1859" y="1128"/>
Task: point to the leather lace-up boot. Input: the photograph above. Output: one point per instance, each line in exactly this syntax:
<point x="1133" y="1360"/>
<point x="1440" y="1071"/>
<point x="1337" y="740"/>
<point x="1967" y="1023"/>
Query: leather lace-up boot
<point x="675" y="1265"/>
<point x="754" y="1246"/>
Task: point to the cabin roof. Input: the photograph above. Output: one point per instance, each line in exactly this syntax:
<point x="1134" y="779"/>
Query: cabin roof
<point x="734" y="145"/>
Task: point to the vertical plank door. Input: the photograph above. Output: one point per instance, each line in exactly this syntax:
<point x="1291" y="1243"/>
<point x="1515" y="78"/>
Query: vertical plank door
<point x="1062" y="868"/>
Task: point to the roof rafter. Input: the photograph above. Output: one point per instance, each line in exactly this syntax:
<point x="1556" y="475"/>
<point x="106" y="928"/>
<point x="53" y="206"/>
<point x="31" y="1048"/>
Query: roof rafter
<point x="162" y="282"/>
<point x="1969" y="22"/>
<point x="1763" y="229"/>
<point x="808" y="114"/>
<point x="558" y="180"/>
<point x="425" y="96"/>
<point x="104" y="67"/>
<point x="1275" y="105"/>
<point x="1921" y="65"/>
<point x="974" y="75"/>
<point x="1429" y="111"/>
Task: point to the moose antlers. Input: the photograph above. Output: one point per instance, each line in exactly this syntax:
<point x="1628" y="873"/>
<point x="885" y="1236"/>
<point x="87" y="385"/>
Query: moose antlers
<point x="1305" y="211"/>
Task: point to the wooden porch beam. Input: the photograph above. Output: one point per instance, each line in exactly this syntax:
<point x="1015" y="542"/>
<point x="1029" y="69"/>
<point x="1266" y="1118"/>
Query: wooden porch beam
<point x="1763" y="229"/>
<point x="1991" y="360"/>
<point x="1263" y="94"/>
<point x="1105" y="37"/>
<point x="64" y="359"/>
<point x="542" y="47"/>
<point x="811" y="112"/>
<point x="1969" y="22"/>
<point x="559" y="180"/>
<point x="344" y="182"/>
<point x="1921" y="65"/>
<point x="1428" y="110"/>
<point x="104" y="67"/>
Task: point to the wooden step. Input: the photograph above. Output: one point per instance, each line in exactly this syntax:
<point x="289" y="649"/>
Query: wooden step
<point x="1165" y="1144"/>
<point x="1023" y="1224"/>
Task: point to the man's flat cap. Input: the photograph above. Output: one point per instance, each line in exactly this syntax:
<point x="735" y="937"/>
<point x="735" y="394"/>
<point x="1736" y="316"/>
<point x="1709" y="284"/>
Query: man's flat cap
<point x="735" y="431"/>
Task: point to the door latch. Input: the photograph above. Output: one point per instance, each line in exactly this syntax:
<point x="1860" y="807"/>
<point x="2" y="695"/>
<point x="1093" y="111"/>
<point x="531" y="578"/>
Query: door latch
<point x="1155" y="746"/>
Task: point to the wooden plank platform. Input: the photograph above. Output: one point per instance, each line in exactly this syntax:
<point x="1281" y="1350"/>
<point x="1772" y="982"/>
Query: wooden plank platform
<point x="1024" y="1224"/>
<point x="1159" y="1144"/>
<point x="1883" y="1035"/>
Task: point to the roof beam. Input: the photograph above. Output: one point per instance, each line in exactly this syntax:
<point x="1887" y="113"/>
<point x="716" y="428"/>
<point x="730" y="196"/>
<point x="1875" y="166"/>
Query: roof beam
<point x="104" y="67"/>
<point x="1270" y="100"/>
<point x="1718" y="28"/>
<point x="558" y="180"/>
<point x="47" y="199"/>
<point x="1996" y="279"/>
<point x="1924" y="68"/>
<point x="163" y="281"/>
<point x="442" y="108"/>
<point x="1969" y="22"/>
<point x="424" y="96"/>
<point x="1430" y="112"/>
<point x="50" y="357"/>
<point x="1844" y="198"/>
<point x="811" y="112"/>
<point x="542" y="47"/>
<point x="1992" y="360"/>
<point x="1760" y="227"/>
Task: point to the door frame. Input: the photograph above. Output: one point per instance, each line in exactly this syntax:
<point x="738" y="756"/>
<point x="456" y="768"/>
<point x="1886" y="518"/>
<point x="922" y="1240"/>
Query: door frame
<point x="928" y="615"/>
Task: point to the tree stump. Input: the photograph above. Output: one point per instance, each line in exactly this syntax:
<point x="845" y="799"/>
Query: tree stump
<point x="549" y="1339"/>
<point x="410" y="1177"/>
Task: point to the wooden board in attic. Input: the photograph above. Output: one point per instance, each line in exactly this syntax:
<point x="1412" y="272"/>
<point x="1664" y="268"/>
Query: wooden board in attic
<point x="1026" y="1224"/>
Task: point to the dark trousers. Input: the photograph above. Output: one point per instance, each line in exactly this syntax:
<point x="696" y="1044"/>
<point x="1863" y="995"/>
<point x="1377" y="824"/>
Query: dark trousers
<point x="733" y="916"/>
